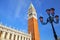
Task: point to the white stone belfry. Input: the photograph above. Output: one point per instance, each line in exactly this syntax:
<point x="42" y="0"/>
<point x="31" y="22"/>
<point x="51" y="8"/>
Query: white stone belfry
<point x="32" y="12"/>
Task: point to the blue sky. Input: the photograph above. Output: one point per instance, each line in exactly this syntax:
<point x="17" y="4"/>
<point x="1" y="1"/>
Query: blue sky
<point x="13" y="13"/>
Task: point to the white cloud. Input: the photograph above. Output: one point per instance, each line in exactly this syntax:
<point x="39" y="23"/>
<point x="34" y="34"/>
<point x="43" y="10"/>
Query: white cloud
<point x="21" y="4"/>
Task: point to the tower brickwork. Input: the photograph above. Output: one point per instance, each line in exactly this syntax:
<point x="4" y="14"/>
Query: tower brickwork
<point x="33" y="23"/>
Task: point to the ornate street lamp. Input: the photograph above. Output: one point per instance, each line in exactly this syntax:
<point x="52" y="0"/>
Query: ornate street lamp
<point x="52" y="18"/>
<point x="57" y="19"/>
<point x="52" y="11"/>
<point x="48" y="11"/>
<point x="41" y="19"/>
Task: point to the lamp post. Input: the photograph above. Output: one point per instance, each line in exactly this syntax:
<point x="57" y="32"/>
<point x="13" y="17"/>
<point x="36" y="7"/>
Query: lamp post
<point x="52" y="18"/>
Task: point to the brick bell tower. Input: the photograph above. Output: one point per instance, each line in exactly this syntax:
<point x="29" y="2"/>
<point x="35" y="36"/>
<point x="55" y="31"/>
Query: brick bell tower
<point x="33" y="23"/>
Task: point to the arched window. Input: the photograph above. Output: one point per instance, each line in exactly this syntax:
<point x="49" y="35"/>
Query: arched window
<point x="30" y="14"/>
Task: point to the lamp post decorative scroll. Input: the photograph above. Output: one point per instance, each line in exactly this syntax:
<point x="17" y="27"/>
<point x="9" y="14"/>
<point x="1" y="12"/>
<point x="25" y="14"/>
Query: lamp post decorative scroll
<point x="50" y="19"/>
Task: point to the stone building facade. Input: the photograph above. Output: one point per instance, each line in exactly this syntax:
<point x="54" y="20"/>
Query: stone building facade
<point x="7" y="33"/>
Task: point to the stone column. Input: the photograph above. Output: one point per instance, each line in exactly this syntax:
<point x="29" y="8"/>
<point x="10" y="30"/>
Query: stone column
<point x="22" y="37"/>
<point x="25" y="38"/>
<point x="30" y="38"/>
<point x="0" y="33"/>
<point x="16" y="37"/>
<point x="19" y="37"/>
<point x="3" y="34"/>
<point x="12" y="37"/>
<point x="8" y="35"/>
